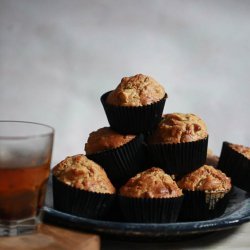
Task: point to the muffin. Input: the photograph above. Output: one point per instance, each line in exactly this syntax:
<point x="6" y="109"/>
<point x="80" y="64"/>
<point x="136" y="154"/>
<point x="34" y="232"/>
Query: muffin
<point x="104" y="139"/>
<point x="122" y="156"/>
<point x="81" y="187"/>
<point x="245" y="151"/>
<point x="179" y="128"/>
<point x="235" y="162"/>
<point x="205" y="193"/>
<point x="179" y="143"/>
<point x="138" y="90"/>
<point x="150" y="196"/>
<point x="136" y="105"/>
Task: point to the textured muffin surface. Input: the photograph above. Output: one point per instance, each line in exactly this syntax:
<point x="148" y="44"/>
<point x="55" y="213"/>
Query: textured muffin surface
<point x="138" y="90"/>
<point x="206" y="178"/>
<point x="151" y="183"/>
<point x="104" y="139"/>
<point x="241" y="149"/>
<point x="80" y="172"/>
<point x="178" y="127"/>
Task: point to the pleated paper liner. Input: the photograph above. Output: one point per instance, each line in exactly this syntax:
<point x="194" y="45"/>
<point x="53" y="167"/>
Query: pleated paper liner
<point x="178" y="158"/>
<point x="80" y="202"/>
<point x="236" y="166"/>
<point x="201" y="205"/>
<point x="133" y="120"/>
<point x="115" y="213"/>
<point x="123" y="162"/>
<point x="150" y="210"/>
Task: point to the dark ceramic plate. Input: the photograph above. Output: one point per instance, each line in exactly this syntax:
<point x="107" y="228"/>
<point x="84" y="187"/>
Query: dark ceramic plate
<point x="237" y="213"/>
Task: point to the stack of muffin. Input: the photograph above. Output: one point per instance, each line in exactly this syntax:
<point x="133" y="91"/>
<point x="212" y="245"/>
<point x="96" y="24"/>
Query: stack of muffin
<point x="147" y="165"/>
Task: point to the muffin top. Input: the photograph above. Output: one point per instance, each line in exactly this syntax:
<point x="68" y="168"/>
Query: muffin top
<point x="241" y="149"/>
<point x="206" y="178"/>
<point x="80" y="172"/>
<point x="138" y="90"/>
<point x="152" y="183"/>
<point x="178" y="127"/>
<point x="104" y="139"/>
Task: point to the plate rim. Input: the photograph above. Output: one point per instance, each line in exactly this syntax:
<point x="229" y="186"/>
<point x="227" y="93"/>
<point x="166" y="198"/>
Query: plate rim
<point x="236" y="218"/>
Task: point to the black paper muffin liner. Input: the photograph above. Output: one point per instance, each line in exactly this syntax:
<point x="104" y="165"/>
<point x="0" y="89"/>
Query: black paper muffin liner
<point x="115" y="213"/>
<point x="80" y="202"/>
<point x="123" y="162"/>
<point x="201" y="205"/>
<point x="178" y="158"/>
<point x="150" y="210"/>
<point x="236" y="166"/>
<point x="133" y="120"/>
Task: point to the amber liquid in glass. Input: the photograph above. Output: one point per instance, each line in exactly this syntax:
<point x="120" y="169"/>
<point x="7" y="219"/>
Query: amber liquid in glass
<point x="22" y="191"/>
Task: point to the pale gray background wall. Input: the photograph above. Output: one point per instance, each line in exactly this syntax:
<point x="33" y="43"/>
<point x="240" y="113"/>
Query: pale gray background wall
<point x="58" y="57"/>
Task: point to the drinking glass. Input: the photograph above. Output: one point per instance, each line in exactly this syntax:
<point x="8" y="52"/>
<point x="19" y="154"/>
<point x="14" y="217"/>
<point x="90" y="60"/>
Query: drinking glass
<point x="25" y="156"/>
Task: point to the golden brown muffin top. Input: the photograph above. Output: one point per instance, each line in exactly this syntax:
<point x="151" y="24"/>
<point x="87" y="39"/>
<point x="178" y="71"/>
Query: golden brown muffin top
<point x="241" y="149"/>
<point x="104" y="139"/>
<point x="138" y="90"/>
<point x="178" y="127"/>
<point x="152" y="183"/>
<point x="205" y="178"/>
<point x="80" y="172"/>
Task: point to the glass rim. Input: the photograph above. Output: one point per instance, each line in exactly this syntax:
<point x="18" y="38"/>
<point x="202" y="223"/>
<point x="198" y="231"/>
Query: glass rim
<point x="9" y="137"/>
